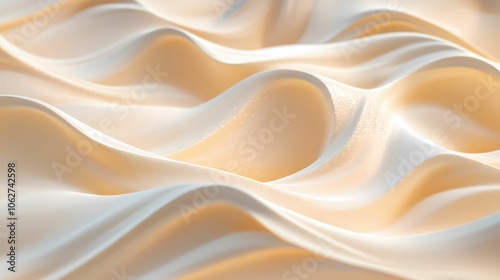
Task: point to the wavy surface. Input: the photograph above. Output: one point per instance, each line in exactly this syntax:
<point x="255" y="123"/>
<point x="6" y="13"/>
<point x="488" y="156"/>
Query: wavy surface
<point x="235" y="139"/>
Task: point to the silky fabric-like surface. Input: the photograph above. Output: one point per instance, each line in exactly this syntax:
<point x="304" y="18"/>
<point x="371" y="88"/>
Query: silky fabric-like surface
<point x="233" y="139"/>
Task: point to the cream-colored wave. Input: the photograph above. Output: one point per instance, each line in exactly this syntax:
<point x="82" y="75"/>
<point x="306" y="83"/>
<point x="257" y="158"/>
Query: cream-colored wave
<point x="238" y="139"/>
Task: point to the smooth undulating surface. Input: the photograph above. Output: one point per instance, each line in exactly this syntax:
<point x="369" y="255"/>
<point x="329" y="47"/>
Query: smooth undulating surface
<point x="247" y="139"/>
